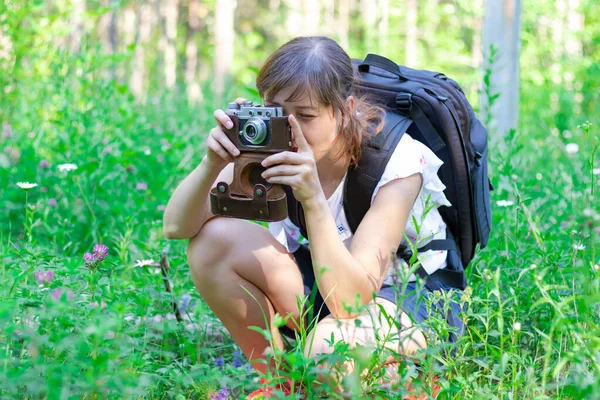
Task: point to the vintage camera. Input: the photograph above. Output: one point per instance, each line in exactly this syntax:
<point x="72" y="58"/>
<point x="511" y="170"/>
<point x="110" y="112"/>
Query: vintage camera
<point x="254" y="124"/>
<point x="257" y="132"/>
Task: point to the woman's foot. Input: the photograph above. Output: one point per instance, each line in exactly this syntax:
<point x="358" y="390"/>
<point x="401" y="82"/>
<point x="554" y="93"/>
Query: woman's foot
<point x="267" y="391"/>
<point x="420" y="395"/>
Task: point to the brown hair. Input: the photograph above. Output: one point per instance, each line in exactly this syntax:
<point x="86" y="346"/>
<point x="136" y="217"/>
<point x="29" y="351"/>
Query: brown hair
<point x="318" y="66"/>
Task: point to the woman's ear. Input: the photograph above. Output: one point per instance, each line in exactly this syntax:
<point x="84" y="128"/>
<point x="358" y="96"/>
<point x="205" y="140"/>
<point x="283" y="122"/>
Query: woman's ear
<point x="350" y="103"/>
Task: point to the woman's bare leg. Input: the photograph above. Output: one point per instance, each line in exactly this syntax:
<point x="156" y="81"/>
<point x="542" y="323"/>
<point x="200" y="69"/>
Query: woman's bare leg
<point x="373" y="331"/>
<point x="229" y="258"/>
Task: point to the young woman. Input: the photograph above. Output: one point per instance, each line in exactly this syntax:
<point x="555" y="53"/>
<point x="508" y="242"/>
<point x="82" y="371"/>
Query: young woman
<point x="312" y="79"/>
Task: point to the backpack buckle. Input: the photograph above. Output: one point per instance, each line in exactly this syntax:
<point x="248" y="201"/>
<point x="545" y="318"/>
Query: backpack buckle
<point x="404" y="253"/>
<point x="404" y="102"/>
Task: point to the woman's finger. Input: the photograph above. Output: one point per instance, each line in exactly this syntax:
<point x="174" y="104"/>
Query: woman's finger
<point x="221" y="138"/>
<point x="223" y="119"/>
<point x="240" y="100"/>
<point x="291" y="180"/>
<point x="282" y="170"/>
<point x="299" y="138"/>
<point x="285" y="157"/>
<point x="216" y="147"/>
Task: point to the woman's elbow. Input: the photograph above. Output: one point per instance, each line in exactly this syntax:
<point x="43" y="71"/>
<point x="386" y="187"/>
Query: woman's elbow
<point x="173" y="232"/>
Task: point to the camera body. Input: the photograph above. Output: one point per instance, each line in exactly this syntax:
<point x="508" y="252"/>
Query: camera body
<point x="259" y="129"/>
<point x="257" y="133"/>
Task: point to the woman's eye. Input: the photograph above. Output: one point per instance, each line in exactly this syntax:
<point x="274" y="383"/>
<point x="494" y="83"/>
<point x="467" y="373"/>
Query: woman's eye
<point x="306" y="116"/>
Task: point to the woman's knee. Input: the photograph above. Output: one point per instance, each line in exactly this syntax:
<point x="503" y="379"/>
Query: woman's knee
<point x="324" y="336"/>
<point x="210" y="245"/>
<point x="368" y="330"/>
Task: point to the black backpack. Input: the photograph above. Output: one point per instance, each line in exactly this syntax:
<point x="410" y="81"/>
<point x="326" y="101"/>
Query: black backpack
<point x="434" y="110"/>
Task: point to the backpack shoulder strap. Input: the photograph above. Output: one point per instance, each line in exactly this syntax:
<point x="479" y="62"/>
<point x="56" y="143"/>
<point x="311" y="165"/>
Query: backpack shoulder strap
<point x="295" y="211"/>
<point x="363" y="178"/>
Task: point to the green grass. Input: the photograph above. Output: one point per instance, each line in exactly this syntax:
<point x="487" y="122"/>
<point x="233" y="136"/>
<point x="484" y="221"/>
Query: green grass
<point x="534" y="291"/>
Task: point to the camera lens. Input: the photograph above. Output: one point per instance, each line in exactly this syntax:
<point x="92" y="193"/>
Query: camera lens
<point x="255" y="131"/>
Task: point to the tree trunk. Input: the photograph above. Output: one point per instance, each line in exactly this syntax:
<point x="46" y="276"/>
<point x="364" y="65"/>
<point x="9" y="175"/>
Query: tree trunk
<point x="382" y="26"/>
<point x="312" y="16"/>
<point x="224" y="42"/>
<point x="294" y="20"/>
<point x="368" y="14"/>
<point x="476" y="53"/>
<point x="77" y="14"/>
<point x="194" y="91"/>
<point x="330" y="25"/>
<point x="138" y="74"/>
<point x="432" y="11"/>
<point x="107" y="31"/>
<point x="476" y="45"/>
<point x="344" y="23"/>
<point x="170" y="14"/>
<point x="411" y="56"/>
<point x="274" y="5"/>
<point x="501" y="28"/>
<point x="127" y="23"/>
<point x="574" y="49"/>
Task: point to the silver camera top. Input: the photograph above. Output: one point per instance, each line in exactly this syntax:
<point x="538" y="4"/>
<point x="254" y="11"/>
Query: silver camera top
<point x="249" y="110"/>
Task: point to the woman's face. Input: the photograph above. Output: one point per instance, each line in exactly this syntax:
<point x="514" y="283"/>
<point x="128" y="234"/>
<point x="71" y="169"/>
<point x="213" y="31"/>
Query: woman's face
<point x="319" y="123"/>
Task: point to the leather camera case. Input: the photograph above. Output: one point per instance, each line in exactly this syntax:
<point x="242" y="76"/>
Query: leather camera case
<point x="249" y="196"/>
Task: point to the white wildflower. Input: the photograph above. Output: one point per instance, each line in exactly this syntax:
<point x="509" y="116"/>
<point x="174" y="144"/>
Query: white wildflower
<point x="504" y="203"/>
<point x="67" y="167"/>
<point x="487" y="274"/>
<point x="578" y="246"/>
<point x="26" y="185"/>
<point x="517" y="326"/>
<point x="533" y="266"/>
<point x="539" y="176"/>
<point x="143" y="263"/>
<point x="596" y="171"/>
<point x="572" y="148"/>
<point x="595" y="267"/>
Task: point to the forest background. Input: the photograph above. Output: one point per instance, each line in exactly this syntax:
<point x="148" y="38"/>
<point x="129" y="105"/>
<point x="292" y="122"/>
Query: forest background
<point x="105" y="105"/>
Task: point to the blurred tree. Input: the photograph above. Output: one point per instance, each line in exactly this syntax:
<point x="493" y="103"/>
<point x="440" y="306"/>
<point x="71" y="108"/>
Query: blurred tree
<point x="224" y="44"/>
<point x="383" y="6"/>
<point x="312" y="16"/>
<point x="107" y="31"/>
<point x="368" y="13"/>
<point x="142" y="35"/>
<point x="77" y="14"/>
<point x="196" y="12"/>
<point x="343" y="22"/>
<point x="411" y="55"/>
<point x="501" y="30"/>
<point x="169" y="12"/>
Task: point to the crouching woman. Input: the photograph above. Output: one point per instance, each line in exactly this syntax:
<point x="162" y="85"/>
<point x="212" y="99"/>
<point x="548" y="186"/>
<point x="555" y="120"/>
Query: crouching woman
<point x="244" y="270"/>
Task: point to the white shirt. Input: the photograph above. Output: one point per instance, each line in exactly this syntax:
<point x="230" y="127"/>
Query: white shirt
<point x="409" y="157"/>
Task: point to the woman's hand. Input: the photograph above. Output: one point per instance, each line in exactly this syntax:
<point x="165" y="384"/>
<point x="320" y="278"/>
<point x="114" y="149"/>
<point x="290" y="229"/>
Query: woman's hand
<point x="220" y="151"/>
<point x="295" y="169"/>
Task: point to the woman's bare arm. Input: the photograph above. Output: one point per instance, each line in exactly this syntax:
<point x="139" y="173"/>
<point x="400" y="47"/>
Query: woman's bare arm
<point x="189" y="206"/>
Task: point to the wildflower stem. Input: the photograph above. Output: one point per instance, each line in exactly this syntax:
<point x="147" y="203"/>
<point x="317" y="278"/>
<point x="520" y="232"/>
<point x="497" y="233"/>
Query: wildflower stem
<point x="164" y="268"/>
<point x="28" y="219"/>
<point x="87" y="203"/>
